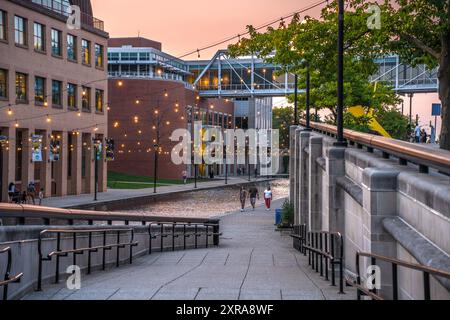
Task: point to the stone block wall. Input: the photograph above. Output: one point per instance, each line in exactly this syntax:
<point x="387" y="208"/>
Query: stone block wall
<point x="356" y="192"/>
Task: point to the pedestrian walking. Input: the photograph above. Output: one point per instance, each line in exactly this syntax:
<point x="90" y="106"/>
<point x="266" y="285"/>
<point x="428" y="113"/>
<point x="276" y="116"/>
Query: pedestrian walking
<point x="253" y="193"/>
<point x="423" y="136"/>
<point x="41" y="196"/>
<point x="12" y="192"/>
<point x="268" y="196"/>
<point x="184" y="175"/>
<point x="31" y="193"/>
<point x="417" y="133"/>
<point x="243" y="197"/>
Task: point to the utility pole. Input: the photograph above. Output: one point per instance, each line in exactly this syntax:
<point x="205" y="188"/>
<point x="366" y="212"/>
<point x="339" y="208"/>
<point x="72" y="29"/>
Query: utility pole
<point x="96" y="146"/>
<point x="340" y="101"/>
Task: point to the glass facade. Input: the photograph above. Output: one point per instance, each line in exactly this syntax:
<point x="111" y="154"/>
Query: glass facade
<point x="56" y="42"/>
<point x="20" y="30"/>
<point x="39" y="90"/>
<point x="21" y="87"/>
<point x="71" y="47"/>
<point x="39" y="37"/>
<point x="56" y="93"/>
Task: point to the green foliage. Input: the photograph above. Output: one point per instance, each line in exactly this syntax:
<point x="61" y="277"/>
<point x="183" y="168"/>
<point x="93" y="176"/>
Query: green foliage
<point x="360" y="124"/>
<point x="417" y="30"/>
<point x="287" y="213"/>
<point x="396" y="124"/>
<point x="283" y="118"/>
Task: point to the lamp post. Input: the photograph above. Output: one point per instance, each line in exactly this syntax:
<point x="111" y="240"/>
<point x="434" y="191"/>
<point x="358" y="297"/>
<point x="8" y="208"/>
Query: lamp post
<point x="156" y="148"/>
<point x="308" y="98"/>
<point x="96" y="146"/>
<point x="340" y="87"/>
<point x="296" y="99"/>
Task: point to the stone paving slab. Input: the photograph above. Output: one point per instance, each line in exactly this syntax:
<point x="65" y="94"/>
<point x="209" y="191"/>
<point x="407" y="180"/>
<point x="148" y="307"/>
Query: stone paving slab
<point x="253" y="261"/>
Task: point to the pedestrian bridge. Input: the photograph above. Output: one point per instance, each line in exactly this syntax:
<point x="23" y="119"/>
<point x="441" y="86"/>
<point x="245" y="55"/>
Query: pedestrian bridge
<point x="228" y="77"/>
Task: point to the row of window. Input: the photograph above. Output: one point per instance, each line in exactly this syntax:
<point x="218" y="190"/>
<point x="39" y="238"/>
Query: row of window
<point x="40" y="89"/>
<point x="39" y="41"/>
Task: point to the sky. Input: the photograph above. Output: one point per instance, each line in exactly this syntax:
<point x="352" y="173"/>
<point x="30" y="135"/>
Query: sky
<point x="183" y="26"/>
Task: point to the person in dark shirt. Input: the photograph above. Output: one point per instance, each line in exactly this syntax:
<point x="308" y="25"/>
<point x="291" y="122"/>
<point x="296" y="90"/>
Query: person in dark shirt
<point x="253" y="194"/>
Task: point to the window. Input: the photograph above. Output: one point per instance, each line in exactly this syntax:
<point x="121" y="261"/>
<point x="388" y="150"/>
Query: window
<point x="56" y="93"/>
<point x="113" y="56"/>
<point x="86" y="51"/>
<point x="39" y="37"/>
<point x="39" y="90"/>
<point x="20" y="30"/>
<point x="21" y="86"/>
<point x="98" y="55"/>
<point x="56" y="43"/>
<point x="3" y="83"/>
<point x="72" y="95"/>
<point x="3" y="26"/>
<point x="71" y="47"/>
<point x="86" y="99"/>
<point x="99" y="100"/>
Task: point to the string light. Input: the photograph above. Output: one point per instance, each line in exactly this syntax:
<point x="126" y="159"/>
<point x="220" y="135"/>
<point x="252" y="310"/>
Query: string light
<point x="10" y="112"/>
<point x="116" y="124"/>
<point x="120" y="83"/>
<point x="48" y="119"/>
<point x="45" y="104"/>
<point x="16" y="124"/>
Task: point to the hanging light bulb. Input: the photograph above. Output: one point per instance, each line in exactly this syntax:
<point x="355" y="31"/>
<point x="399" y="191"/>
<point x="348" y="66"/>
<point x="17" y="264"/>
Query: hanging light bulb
<point x="10" y="112"/>
<point x="166" y="94"/>
<point x="156" y="111"/>
<point x="96" y="128"/>
<point x="79" y="113"/>
<point x="137" y="101"/>
<point x="120" y="83"/>
<point x="198" y="53"/>
<point x="16" y="124"/>
<point x="48" y="119"/>
<point x="45" y="104"/>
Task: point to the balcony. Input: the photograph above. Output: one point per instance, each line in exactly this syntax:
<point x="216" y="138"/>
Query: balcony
<point x="62" y="7"/>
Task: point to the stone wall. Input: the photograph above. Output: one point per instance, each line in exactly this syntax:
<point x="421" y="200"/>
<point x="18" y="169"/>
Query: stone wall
<point x="378" y="205"/>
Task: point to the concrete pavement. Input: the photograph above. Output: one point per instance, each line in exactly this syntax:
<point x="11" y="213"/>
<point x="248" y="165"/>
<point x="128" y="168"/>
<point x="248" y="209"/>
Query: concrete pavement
<point x="253" y="262"/>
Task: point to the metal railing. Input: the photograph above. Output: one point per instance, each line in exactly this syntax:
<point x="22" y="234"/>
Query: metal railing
<point x="24" y="213"/>
<point x="7" y="278"/>
<point x="299" y="234"/>
<point x="186" y="231"/>
<point x="422" y="156"/>
<point x="76" y="250"/>
<point x="395" y="263"/>
<point x="325" y="251"/>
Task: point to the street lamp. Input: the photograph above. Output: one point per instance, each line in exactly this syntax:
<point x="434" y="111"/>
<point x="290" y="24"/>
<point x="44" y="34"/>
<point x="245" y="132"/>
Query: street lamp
<point x="340" y="88"/>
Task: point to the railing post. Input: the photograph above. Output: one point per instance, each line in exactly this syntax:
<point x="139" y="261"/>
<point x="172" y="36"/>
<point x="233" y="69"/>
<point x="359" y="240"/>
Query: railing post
<point x="394" y="282"/>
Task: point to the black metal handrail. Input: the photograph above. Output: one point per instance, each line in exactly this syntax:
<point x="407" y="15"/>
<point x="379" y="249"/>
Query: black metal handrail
<point x="7" y="278"/>
<point x="162" y="234"/>
<point x="299" y="234"/>
<point x="325" y="251"/>
<point x="59" y="252"/>
<point x="395" y="263"/>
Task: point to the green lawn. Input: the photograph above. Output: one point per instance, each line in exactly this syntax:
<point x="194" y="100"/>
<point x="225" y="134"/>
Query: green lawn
<point x="125" y="181"/>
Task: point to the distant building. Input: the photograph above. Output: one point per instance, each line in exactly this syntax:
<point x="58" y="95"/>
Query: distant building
<point x="148" y="89"/>
<point x="53" y="90"/>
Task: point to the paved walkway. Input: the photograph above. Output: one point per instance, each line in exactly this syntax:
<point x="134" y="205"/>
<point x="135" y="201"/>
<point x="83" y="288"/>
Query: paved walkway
<point x="121" y="194"/>
<point x="252" y="262"/>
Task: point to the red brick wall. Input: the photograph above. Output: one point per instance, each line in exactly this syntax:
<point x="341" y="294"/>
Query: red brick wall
<point x="134" y="150"/>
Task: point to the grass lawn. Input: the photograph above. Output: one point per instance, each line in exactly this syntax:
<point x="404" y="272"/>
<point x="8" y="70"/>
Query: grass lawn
<point x="125" y="181"/>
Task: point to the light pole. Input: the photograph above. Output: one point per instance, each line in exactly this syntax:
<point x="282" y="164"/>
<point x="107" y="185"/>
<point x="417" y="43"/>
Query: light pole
<point x="296" y="99"/>
<point x="96" y="146"/>
<point x="308" y="98"/>
<point x="156" y="148"/>
<point x="340" y="87"/>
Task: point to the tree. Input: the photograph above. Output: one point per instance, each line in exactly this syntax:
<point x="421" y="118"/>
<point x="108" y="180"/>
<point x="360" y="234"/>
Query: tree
<point x="283" y="118"/>
<point x="417" y="30"/>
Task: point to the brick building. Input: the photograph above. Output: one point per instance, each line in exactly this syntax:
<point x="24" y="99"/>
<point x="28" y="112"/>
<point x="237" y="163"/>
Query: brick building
<point x="147" y="87"/>
<point x="53" y="89"/>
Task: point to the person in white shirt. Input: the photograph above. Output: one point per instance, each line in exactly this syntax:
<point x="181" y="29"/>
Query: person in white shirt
<point x="268" y="197"/>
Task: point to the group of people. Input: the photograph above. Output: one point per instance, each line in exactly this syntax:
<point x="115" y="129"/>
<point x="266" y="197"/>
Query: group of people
<point x="27" y="196"/>
<point x="421" y="136"/>
<point x="253" y="194"/>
